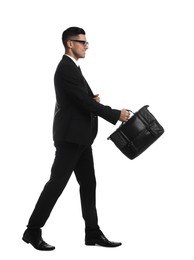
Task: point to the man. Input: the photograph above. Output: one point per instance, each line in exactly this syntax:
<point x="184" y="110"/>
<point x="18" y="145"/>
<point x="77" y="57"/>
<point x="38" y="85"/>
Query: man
<point x="74" y="130"/>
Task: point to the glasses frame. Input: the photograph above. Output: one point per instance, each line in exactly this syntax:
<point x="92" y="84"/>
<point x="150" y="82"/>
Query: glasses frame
<point x="85" y="43"/>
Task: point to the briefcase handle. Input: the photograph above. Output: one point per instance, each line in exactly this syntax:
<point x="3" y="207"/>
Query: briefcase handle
<point x="130" y="111"/>
<point x="146" y="106"/>
<point x="133" y="113"/>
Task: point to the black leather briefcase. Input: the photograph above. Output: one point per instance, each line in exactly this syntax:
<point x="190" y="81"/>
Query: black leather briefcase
<point x="134" y="136"/>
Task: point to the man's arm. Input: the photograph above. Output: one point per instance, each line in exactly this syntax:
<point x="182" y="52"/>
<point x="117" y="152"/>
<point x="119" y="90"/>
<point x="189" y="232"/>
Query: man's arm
<point x="70" y="82"/>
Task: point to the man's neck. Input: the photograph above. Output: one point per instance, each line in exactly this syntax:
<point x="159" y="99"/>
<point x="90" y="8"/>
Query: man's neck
<point x="73" y="59"/>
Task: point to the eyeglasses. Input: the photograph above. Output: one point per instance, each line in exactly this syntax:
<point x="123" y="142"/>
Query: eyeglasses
<point x="85" y="43"/>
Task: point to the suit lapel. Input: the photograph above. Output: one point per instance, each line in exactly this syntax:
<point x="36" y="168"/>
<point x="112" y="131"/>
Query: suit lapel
<point x="86" y="85"/>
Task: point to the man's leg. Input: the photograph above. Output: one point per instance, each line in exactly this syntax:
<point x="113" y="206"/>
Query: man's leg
<point x="85" y="175"/>
<point x="67" y="155"/>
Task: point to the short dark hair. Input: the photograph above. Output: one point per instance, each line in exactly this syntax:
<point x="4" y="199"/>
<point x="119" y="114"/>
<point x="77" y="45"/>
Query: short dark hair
<point x="71" y="31"/>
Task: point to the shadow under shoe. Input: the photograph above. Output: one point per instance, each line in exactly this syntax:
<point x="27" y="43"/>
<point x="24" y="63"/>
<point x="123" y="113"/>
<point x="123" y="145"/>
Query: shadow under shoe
<point x="34" y="237"/>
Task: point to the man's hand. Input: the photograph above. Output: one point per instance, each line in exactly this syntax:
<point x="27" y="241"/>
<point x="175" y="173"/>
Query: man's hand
<point x="97" y="98"/>
<point x="125" y="115"/>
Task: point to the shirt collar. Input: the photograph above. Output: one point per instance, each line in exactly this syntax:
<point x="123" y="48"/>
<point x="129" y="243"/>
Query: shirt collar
<point x="74" y="60"/>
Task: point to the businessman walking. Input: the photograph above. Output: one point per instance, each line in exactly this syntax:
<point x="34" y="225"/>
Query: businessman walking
<point x="74" y="130"/>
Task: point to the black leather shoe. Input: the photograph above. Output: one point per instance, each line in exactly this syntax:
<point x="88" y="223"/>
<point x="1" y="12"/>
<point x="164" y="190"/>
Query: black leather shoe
<point x="35" y="239"/>
<point x="101" y="240"/>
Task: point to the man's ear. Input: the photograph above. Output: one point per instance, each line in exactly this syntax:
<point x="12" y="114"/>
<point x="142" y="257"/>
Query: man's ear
<point x="69" y="44"/>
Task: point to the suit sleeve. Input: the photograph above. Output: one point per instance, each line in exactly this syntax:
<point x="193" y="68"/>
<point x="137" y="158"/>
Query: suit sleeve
<point x="70" y="81"/>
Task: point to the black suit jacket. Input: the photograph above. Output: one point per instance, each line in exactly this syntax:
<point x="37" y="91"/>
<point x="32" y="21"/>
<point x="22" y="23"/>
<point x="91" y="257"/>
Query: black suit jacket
<point x="76" y="111"/>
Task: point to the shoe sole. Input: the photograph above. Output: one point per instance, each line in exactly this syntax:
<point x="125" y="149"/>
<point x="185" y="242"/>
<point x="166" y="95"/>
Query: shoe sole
<point x="90" y="243"/>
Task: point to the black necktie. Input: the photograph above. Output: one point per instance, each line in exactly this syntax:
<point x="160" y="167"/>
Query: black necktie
<point x="80" y="70"/>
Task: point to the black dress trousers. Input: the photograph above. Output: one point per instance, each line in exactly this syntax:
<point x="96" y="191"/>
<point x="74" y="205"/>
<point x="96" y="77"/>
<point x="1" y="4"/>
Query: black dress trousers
<point x="69" y="157"/>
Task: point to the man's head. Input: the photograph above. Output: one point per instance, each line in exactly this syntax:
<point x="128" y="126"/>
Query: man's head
<point x="75" y="43"/>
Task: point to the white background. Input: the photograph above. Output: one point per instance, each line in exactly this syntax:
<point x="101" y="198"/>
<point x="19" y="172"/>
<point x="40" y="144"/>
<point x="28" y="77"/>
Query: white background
<point x="141" y="52"/>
